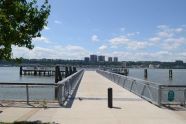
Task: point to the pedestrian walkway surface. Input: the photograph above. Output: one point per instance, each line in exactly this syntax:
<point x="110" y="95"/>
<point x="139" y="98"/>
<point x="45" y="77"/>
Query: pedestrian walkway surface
<point x="90" y="107"/>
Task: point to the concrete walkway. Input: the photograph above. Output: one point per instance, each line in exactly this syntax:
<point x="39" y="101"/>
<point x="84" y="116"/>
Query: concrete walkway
<point x="91" y="107"/>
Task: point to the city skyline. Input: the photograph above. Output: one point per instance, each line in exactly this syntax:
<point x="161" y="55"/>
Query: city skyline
<point x="128" y="29"/>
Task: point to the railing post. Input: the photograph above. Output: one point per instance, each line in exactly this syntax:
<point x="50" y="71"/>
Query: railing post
<point x="110" y="97"/>
<point x="159" y="95"/>
<point x="27" y="94"/>
<point x="145" y="73"/>
<point x="185" y="97"/>
<point x="132" y="85"/>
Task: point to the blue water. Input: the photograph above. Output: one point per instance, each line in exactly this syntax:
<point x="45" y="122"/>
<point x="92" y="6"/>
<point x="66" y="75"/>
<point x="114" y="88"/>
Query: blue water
<point x="11" y="74"/>
<point x="161" y="75"/>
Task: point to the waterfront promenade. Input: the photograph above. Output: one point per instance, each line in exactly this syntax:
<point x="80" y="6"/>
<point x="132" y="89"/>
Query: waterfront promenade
<point x="90" y="106"/>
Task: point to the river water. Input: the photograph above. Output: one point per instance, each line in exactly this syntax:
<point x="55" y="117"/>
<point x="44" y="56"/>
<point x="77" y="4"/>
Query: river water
<point x="161" y="76"/>
<point x="11" y="74"/>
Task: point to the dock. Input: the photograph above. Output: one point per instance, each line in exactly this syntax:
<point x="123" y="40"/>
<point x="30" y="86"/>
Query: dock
<point x="90" y="107"/>
<point x="46" y="71"/>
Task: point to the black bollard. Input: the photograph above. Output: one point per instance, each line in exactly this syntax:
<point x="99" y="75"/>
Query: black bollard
<point x="145" y="73"/>
<point x="110" y="97"/>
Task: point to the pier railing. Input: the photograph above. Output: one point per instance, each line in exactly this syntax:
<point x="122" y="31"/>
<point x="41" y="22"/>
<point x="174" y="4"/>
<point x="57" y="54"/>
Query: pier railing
<point x="153" y="92"/>
<point x="35" y="92"/>
<point x="29" y="92"/>
<point x="68" y="86"/>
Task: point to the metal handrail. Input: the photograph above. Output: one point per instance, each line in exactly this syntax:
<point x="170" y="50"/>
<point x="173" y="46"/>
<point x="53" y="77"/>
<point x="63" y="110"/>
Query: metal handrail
<point x="68" y="86"/>
<point x="65" y="87"/>
<point x="133" y="78"/>
<point x="26" y="85"/>
<point x="155" y="93"/>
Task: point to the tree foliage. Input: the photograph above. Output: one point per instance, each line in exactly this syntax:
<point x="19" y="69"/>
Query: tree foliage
<point x="20" y="21"/>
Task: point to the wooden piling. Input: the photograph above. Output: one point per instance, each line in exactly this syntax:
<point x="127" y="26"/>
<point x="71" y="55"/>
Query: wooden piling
<point x="145" y="73"/>
<point x="66" y="72"/>
<point x="21" y="70"/>
<point x="170" y="73"/>
<point x="70" y="70"/>
<point x="57" y="79"/>
<point x="125" y="72"/>
<point x="39" y="73"/>
<point x="74" y="70"/>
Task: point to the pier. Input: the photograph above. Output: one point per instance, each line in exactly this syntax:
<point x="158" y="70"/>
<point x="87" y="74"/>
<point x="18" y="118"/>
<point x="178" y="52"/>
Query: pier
<point x="46" y="71"/>
<point x="90" y="106"/>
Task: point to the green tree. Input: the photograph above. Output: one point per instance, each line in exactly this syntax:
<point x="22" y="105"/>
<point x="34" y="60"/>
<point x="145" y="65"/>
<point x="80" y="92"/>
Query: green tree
<point x="20" y="21"/>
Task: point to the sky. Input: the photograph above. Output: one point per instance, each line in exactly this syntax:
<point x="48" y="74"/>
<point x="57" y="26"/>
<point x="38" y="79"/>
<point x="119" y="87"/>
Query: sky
<point x="132" y="30"/>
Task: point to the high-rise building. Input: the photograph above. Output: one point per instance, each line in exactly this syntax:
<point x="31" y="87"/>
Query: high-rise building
<point x="93" y="58"/>
<point x="109" y="59"/>
<point x="101" y="58"/>
<point x="115" y="59"/>
<point x="86" y="59"/>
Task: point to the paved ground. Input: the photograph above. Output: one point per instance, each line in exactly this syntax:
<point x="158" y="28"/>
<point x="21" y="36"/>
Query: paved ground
<point x="91" y="108"/>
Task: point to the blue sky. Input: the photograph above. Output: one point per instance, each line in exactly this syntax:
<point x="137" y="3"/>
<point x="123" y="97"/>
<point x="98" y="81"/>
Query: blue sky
<point x="129" y="29"/>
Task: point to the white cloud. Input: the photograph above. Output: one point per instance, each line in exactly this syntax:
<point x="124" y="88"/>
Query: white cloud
<point x="129" y="43"/>
<point x="173" y="43"/>
<point x="179" y="30"/>
<point x="133" y="34"/>
<point x="46" y="28"/>
<point x="163" y="27"/>
<point x="146" y="56"/>
<point x="119" y="40"/>
<point x="165" y="45"/>
<point x="155" y="39"/>
<point x="41" y="39"/>
<point x="103" y="47"/>
<point x="57" y="22"/>
<point x="94" y="38"/>
<point x="55" y="52"/>
<point x="166" y="32"/>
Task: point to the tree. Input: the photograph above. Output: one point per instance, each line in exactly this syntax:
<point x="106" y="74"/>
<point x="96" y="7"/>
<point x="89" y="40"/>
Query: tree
<point x="20" y="21"/>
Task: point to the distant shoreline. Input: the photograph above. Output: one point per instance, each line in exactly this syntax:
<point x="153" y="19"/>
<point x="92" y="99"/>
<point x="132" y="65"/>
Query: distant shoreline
<point x="89" y="67"/>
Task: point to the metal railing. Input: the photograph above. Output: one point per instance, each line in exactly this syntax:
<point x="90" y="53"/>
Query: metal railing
<point x="155" y="93"/>
<point x="179" y="92"/>
<point x="31" y="92"/>
<point x="27" y="91"/>
<point x="67" y="87"/>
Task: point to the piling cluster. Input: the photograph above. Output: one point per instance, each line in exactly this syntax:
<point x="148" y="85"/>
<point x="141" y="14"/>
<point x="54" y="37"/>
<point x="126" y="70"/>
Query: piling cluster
<point x="125" y="72"/>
